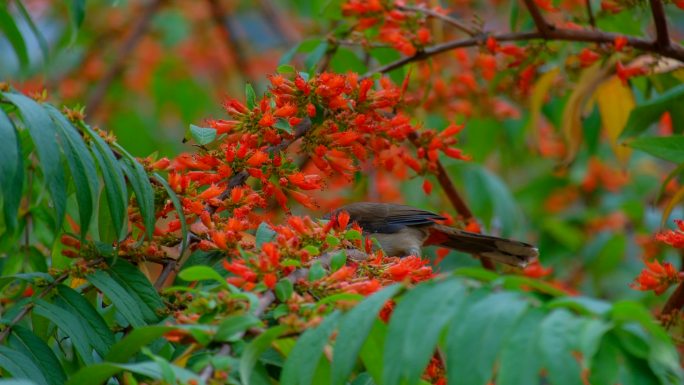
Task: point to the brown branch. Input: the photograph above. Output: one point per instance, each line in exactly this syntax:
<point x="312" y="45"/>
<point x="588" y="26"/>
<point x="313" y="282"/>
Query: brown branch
<point x="447" y="19"/>
<point x="672" y="51"/>
<point x="223" y="22"/>
<point x="276" y="19"/>
<point x="139" y="29"/>
<point x="542" y="26"/>
<point x="660" y="21"/>
<point x="674" y="304"/>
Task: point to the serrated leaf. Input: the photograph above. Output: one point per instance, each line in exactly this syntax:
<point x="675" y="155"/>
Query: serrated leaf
<point x="301" y="364"/>
<point x="556" y="344"/>
<point x="20" y="366"/>
<point x="284" y="289"/>
<point x="82" y="166"/>
<point x="44" y="135"/>
<point x="114" y="183"/>
<point x="353" y="332"/>
<point x="410" y="345"/>
<point x="24" y="341"/>
<point x="234" y="326"/>
<point x="70" y="325"/>
<point x="519" y="358"/>
<point x="202" y="135"/>
<point x="100" y="336"/>
<point x="255" y="348"/>
<point x="11" y="170"/>
<point x="485" y="324"/>
<point x="179" y="210"/>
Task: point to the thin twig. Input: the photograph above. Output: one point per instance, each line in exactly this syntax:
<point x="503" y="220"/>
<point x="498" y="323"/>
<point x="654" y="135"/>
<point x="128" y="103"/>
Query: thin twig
<point x="660" y="21"/>
<point x="447" y="19"/>
<point x="139" y="29"/>
<point x="542" y="26"/>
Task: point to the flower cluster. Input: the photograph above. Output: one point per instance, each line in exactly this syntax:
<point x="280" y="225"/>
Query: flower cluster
<point x="659" y="276"/>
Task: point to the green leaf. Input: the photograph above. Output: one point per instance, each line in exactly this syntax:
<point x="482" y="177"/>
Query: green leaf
<point x="649" y="112"/>
<point x="284" y="289"/>
<point x="312" y="250"/>
<point x="14" y="36"/>
<point x="70" y="325"/>
<point x="264" y="234"/>
<point x="114" y="183"/>
<point x="44" y="135"/>
<point x="179" y="211"/>
<point x="137" y="284"/>
<point x="316" y="271"/>
<point x="255" y="348"/>
<point x="354" y="329"/>
<point x="303" y="360"/>
<point x="82" y="166"/>
<point x="665" y="147"/>
<point x="99" y="373"/>
<point x="286" y="69"/>
<point x="485" y="324"/>
<point x="605" y="364"/>
<point x="124" y="301"/>
<point x="250" y="96"/>
<point x="24" y="341"/>
<point x="144" y="193"/>
<point x="556" y="344"/>
<point x="352" y="235"/>
<point x="201" y="273"/>
<point x="202" y="135"/>
<point x="11" y="169"/>
<point x="410" y="344"/>
<point x="100" y="337"/>
<point x="42" y="42"/>
<point x="316" y="55"/>
<point x="77" y="11"/>
<point x="345" y="60"/>
<point x="519" y="358"/>
<point x="20" y="366"/>
<point x="130" y="345"/>
<point x="233" y="327"/>
<point x="338" y="260"/>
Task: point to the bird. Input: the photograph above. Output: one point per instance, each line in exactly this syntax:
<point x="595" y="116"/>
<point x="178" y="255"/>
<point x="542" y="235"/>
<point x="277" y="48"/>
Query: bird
<point x="404" y="230"/>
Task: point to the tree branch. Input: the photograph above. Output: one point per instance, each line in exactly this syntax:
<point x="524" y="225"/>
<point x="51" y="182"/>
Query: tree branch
<point x="447" y="19"/>
<point x="223" y="22"/>
<point x="672" y="51"/>
<point x="590" y="13"/>
<point x="662" y="36"/>
<point x="542" y="26"/>
<point x="139" y="29"/>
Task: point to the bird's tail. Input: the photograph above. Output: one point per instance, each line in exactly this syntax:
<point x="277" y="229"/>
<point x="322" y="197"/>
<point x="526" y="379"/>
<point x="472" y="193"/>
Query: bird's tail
<point x="501" y="250"/>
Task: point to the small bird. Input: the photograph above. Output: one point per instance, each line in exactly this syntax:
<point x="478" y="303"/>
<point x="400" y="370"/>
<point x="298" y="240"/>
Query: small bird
<point x="403" y="230"/>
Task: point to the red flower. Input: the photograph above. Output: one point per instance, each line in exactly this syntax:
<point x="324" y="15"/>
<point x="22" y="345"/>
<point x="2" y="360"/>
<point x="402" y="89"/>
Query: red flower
<point x="620" y="43"/>
<point x="427" y="186"/>
<point x="587" y="57"/>
<point x="657" y="277"/>
<point x="536" y="270"/>
<point x="673" y="238"/>
<point x="546" y="5"/>
<point x="412" y="267"/>
<point x="270" y="280"/>
<point x="257" y="159"/>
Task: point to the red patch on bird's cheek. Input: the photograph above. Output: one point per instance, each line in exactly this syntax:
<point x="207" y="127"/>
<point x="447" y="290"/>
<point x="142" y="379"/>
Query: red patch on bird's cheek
<point x="435" y="238"/>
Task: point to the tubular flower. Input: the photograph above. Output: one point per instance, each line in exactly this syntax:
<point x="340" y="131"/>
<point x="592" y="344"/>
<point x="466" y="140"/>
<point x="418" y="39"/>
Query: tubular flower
<point x="674" y="238"/>
<point x="657" y="277"/>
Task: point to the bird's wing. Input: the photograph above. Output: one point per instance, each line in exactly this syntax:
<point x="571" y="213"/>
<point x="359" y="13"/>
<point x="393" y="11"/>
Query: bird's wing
<point x="387" y="217"/>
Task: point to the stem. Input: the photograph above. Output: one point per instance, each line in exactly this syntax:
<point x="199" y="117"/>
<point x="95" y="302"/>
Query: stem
<point x="447" y="19"/>
<point x="590" y="13"/>
<point x="223" y="22"/>
<point x="662" y="36"/>
<point x="542" y="26"/>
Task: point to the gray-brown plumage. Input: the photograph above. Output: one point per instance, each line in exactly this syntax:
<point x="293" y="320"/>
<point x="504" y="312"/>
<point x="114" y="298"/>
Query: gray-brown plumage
<point x="403" y="230"/>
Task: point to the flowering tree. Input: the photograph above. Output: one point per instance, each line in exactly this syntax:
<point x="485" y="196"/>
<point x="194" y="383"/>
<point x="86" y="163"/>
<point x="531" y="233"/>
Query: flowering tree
<point x="213" y="265"/>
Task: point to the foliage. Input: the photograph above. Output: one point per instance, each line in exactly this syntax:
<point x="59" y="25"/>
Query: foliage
<point x="203" y="267"/>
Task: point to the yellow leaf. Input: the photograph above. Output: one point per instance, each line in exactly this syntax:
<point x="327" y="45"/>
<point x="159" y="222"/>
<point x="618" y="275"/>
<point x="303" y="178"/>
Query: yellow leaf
<point x="182" y="360"/>
<point x="585" y="87"/>
<point x="537" y="98"/>
<point x="615" y="102"/>
<point x="676" y="198"/>
<point x="76" y="282"/>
